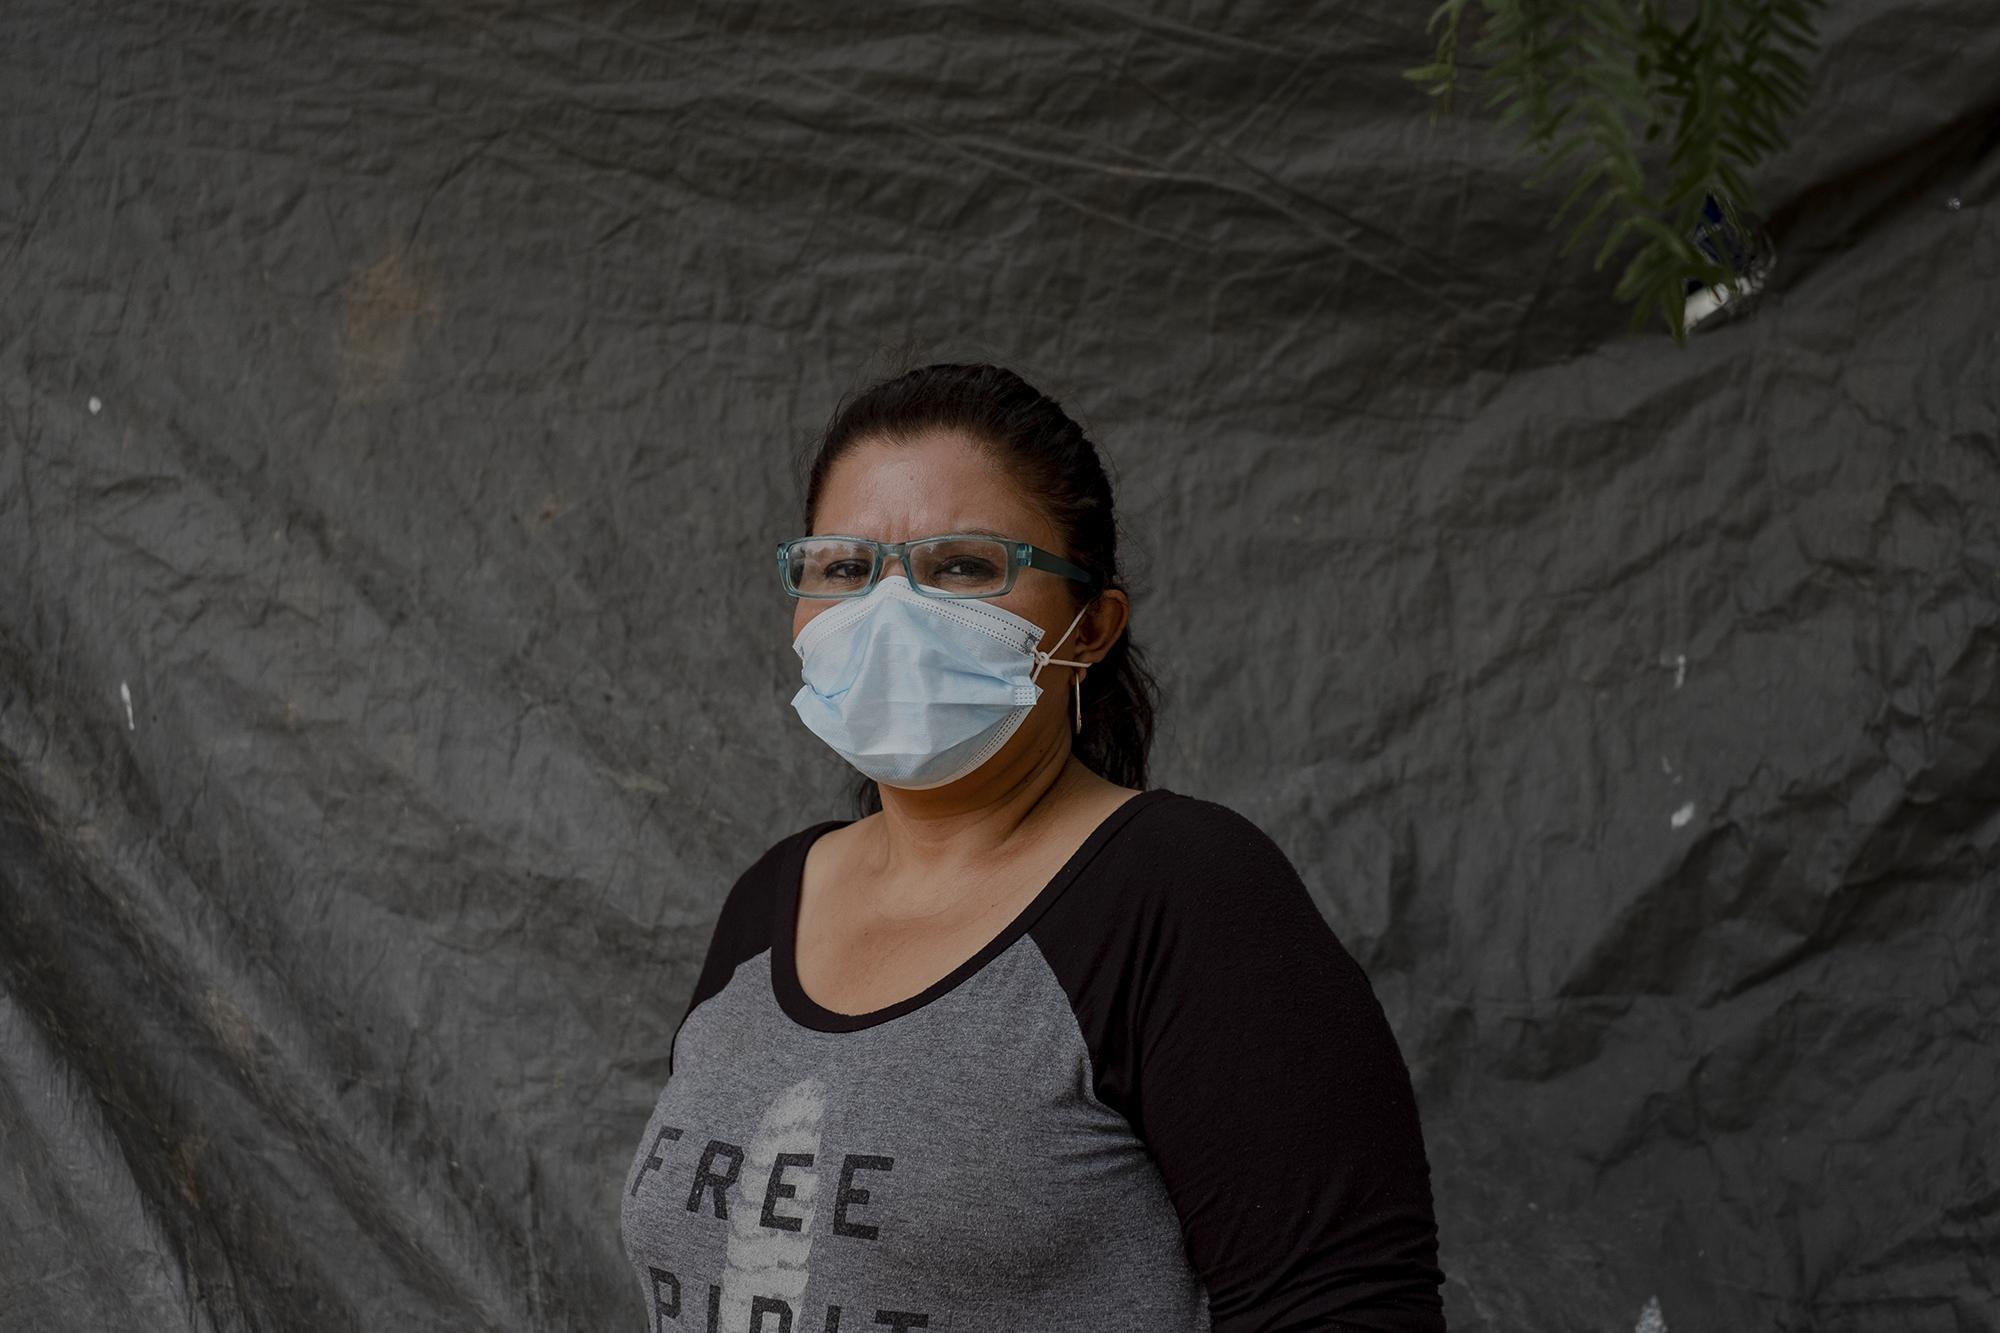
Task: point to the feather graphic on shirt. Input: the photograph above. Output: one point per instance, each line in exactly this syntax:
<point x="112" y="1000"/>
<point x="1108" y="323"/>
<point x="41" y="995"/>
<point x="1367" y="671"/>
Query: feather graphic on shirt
<point x="761" y="1260"/>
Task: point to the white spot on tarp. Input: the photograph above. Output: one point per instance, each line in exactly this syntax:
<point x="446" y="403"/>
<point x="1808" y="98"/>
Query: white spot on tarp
<point x="1650" y="1318"/>
<point x="96" y="405"/>
<point x="1680" y="669"/>
<point x="1680" y="817"/>
<point x="125" y="693"/>
<point x="1952" y="203"/>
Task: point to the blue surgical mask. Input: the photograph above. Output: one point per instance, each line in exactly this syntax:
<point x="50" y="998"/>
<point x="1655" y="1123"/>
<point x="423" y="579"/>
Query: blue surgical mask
<point x="918" y="691"/>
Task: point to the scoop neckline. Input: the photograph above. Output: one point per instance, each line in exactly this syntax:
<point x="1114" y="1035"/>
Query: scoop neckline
<point x="808" y="1012"/>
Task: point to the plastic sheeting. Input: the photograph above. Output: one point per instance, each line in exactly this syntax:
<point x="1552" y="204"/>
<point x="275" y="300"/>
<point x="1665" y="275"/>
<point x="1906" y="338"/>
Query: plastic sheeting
<point x="398" y="403"/>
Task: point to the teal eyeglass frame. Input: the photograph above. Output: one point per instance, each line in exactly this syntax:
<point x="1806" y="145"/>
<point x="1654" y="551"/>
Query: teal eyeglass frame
<point x="1020" y="555"/>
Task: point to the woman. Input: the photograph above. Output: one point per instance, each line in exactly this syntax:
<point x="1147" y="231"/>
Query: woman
<point x="1029" y="1046"/>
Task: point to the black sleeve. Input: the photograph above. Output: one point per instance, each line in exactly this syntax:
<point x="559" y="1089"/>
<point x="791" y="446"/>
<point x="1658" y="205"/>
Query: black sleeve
<point x="1246" y="1046"/>
<point x="742" y="928"/>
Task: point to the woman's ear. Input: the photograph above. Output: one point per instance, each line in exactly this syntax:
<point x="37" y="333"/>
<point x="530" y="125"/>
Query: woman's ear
<point x="1106" y="621"/>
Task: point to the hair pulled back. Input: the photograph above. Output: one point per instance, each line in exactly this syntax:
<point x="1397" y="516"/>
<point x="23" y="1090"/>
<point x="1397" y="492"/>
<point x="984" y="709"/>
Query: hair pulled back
<point x="1054" y="464"/>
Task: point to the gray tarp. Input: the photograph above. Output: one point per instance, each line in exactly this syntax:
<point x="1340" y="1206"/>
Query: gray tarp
<point x="398" y="404"/>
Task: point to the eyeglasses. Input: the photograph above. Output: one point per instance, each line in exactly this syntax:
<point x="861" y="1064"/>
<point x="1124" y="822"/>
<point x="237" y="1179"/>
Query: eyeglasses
<point x="953" y="565"/>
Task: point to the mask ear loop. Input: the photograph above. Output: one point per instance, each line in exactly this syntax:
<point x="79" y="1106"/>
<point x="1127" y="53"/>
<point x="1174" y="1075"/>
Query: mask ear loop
<point x="1043" y="659"/>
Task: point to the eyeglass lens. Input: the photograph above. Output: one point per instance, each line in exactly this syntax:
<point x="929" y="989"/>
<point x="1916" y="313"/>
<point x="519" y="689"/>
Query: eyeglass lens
<point x="954" y="566"/>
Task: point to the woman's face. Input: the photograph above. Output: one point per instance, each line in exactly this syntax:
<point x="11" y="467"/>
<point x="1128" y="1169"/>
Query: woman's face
<point x="939" y="483"/>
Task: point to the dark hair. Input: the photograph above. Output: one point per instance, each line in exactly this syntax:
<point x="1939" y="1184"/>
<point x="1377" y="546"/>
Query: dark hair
<point x="1051" y="459"/>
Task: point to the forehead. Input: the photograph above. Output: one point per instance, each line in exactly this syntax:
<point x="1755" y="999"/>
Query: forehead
<point x="893" y="490"/>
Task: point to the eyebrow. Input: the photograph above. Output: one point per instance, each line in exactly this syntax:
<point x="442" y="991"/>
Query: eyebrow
<point x="970" y="532"/>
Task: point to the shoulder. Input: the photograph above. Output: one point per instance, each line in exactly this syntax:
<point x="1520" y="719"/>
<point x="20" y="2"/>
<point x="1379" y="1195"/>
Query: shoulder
<point x="1208" y="864"/>
<point x="744" y="926"/>
<point x="752" y="900"/>
<point x="1206" y="830"/>
<point x="1184" y="884"/>
<point x="783" y="857"/>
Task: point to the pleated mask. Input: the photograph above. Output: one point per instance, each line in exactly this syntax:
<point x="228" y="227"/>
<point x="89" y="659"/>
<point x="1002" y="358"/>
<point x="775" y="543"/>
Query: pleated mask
<point x="918" y="691"/>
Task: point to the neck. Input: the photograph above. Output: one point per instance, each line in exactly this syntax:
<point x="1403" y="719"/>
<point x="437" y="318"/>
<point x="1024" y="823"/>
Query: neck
<point x="960" y="824"/>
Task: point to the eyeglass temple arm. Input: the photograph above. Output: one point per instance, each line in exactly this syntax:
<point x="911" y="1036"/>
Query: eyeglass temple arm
<point x="1055" y="564"/>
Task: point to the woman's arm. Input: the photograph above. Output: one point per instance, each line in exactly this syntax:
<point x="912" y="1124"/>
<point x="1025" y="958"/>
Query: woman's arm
<point x="1247" y="1048"/>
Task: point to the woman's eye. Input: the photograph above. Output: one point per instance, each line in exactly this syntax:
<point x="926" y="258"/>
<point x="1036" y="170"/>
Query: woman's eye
<point x="847" y="570"/>
<point x="966" y="567"/>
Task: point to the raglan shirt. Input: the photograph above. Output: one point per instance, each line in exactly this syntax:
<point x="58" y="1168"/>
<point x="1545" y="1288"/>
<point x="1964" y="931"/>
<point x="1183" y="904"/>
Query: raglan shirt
<point x="1163" y="1098"/>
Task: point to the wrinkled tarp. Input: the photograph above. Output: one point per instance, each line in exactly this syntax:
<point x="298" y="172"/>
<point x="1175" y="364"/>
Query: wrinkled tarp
<point x="398" y="404"/>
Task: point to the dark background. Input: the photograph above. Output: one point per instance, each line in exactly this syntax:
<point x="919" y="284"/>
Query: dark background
<point x="399" y="403"/>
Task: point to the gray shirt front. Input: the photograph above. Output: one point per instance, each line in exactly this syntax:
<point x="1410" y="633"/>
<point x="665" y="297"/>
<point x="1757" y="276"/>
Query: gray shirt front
<point x="1064" y="1133"/>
